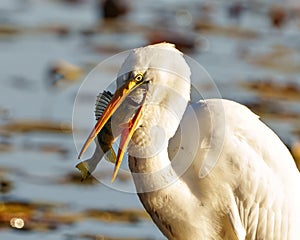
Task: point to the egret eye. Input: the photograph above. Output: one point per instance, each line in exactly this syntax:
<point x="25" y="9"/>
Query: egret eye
<point x="139" y="77"/>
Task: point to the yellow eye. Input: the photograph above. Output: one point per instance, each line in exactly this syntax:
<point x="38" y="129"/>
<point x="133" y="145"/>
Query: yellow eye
<point x="139" y="77"/>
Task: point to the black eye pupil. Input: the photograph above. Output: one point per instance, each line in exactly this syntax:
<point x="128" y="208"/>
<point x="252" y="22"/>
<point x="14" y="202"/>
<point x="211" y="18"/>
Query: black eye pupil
<point x="139" y="78"/>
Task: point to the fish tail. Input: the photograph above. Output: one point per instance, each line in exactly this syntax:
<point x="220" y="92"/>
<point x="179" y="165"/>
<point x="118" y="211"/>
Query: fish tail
<point x="84" y="169"/>
<point x="88" y="166"/>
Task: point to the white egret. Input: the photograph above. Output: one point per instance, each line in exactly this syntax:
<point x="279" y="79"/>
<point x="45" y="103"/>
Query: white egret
<point x="241" y="181"/>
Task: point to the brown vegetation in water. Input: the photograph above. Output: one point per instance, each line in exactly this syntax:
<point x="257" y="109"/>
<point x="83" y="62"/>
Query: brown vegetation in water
<point x="38" y="216"/>
<point x="228" y="31"/>
<point x="270" y="89"/>
<point x="25" y="126"/>
<point x="269" y="109"/>
<point x="280" y="59"/>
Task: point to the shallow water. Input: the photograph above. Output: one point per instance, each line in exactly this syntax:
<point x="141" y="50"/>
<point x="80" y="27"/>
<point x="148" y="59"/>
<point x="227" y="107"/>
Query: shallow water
<point x="40" y="164"/>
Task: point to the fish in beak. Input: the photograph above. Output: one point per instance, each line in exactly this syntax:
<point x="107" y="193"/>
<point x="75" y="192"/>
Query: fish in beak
<point x="104" y="141"/>
<point x="127" y="128"/>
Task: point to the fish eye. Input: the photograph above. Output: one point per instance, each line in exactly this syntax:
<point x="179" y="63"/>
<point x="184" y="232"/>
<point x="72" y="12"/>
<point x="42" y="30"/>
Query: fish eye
<point x="139" y="77"/>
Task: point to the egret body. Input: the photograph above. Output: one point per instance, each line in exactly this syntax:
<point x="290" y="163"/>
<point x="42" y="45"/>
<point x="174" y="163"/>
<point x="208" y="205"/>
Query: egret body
<point x="233" y="180"/>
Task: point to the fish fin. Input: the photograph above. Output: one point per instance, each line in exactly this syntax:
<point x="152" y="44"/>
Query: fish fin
<point x="110" y="155"/>
<point x="102" y="101"/>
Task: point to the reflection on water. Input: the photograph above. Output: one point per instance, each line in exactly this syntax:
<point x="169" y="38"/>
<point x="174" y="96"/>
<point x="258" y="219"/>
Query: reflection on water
<point x="251" y="50"/>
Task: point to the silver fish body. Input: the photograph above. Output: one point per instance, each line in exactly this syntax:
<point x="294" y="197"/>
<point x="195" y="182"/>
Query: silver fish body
<point x="111" y="130"/>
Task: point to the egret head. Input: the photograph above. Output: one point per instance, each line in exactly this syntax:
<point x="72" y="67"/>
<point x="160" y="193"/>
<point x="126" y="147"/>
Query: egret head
<point x="155" y="75"/>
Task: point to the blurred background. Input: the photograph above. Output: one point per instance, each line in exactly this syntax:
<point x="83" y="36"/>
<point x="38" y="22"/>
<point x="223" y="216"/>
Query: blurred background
<point x="250" y="48"/>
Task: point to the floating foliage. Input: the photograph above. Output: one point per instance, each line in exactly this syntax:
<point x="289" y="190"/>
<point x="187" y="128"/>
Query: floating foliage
<point x="270" y="109"/>
<point x="25" y="126"/>
<point x="271" y="89"/>
<point x="87" y="236"/>
<point x="127" y="215"/>
<point x="32" y="216"/>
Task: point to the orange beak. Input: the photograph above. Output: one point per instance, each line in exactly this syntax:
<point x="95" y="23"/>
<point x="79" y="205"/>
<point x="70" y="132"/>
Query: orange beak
<point x="127" y="132"/>
<point x="125" y="139"/>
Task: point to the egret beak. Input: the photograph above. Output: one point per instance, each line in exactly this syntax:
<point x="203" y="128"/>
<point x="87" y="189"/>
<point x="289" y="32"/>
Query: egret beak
<point x="127" y="132"/>
<point x="125" y="139"/>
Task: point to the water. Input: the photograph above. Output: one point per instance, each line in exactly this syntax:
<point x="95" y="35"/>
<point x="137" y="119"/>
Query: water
<point x="39" y="163"/>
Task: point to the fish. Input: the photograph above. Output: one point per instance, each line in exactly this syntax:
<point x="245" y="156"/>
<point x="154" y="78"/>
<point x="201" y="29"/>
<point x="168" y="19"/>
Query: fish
<point x="105" y="137"/>
<point x="111" y="130"/>
<point x="104" y="140"/>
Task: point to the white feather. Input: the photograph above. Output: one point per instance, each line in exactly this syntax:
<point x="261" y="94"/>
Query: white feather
<point x="233" y="180"/>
